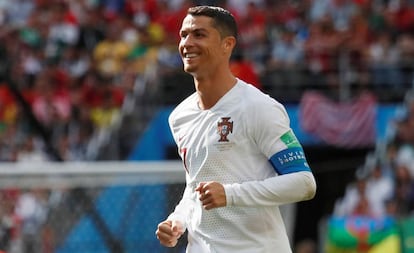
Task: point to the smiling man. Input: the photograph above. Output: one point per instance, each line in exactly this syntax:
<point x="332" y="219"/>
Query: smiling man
<point x="242" y="159"/>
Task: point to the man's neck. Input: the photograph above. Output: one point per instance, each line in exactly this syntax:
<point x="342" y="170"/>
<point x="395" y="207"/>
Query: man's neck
<point x="211" y="90"/>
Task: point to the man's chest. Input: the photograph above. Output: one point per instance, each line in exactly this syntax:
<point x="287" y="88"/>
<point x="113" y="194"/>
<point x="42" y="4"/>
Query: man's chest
<point x="211" y="137"/>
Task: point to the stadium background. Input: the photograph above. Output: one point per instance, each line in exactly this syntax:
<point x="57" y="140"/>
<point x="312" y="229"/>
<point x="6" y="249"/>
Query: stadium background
<point x="93" y="81"/>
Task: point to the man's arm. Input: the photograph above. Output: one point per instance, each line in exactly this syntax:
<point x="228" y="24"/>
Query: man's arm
<point x="183" y="208"/>
<point x="278" y="190"/>
<point x="170" y="230"/>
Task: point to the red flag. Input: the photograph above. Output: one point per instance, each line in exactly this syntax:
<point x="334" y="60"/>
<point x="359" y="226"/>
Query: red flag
<point x="342" y="124"/>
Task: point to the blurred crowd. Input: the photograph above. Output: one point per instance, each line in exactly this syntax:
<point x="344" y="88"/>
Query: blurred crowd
<point x="384" y="185"/>
<point x="72" y="63"/>
<point x="382" y="191"/>
<point x="66" y="68"/>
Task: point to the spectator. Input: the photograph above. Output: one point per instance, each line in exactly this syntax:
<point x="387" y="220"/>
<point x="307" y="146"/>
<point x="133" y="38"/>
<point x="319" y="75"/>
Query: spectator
<point x="31" y="150"/>
<point x="405" y="157"/>
<point x="95" y="87"/>
<point x="91" y="30"/>
<point x="143" y="11"/>
<point x="80" y="138"/>
<point x="109" y="54"/>
<point x="339" y="11"/>
<point x="400" y="15"/>
<point x="240" y="8"/>
<point x="370" y="193"/>
<point x="63" y="30"/>
<point x="17" y="12"/>
<point x="31" y="208"/>
<point x="405" y="44"/>
<point x="286" y="59"/>
<point x="75" y="62"/>
<point x="51" y="103"/>
<point x="252" y="34"/>
<point x="287" y="52"/>
<point x="8" y="107"/>
<point x="322" y="51"/>
<point x="104" y="115"/>
<point x="404" y="138"/>
<point x="354" y="201"/>
<point x="380" y="188"/>
<point x="170" y="16"/>
<point x="357" y="36"/>
<point x="383" y="57"/>
<point x="403" y="198"/>
<point x="144" y="53"/>
<point x="9" y="222"/>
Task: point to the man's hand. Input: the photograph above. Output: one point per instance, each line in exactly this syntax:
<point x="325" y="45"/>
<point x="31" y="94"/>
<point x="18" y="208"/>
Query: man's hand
<point x="168" y="232"/>
<point x="212" y="195"/>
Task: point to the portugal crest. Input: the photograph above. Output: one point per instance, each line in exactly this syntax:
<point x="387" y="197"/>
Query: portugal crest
<point x="224" y="128"/>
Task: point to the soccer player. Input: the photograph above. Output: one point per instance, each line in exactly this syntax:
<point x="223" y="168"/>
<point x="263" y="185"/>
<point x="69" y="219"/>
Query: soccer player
<point x="242" y="159"/>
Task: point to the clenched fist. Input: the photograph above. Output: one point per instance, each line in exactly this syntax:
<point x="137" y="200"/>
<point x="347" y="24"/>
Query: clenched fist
<point x="212" y="195"/>
<point x="168" y="232"/>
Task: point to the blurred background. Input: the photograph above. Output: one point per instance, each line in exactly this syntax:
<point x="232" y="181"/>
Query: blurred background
<point x="86" y="87"/>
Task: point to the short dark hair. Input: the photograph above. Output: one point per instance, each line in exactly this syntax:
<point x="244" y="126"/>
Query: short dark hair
<point x="223" y="20"/>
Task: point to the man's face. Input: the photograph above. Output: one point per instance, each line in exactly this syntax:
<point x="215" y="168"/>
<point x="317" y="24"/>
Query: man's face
<point x="201" y="46"/>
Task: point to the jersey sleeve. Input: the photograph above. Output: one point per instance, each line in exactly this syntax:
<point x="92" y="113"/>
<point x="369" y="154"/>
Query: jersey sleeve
<point x="277" y="190"/>
<point x="294" y="180"/>
<point x="275" y="138"/>
<point x="270" y="122"/>
<point x="182" y="210"/>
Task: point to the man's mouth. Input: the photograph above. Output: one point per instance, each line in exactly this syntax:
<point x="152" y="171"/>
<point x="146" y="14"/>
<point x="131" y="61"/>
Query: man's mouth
<point x="190" y="55"/>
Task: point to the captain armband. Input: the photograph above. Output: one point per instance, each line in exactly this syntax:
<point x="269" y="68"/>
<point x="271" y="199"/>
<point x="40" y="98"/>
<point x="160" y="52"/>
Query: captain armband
<point x="289" y="160"/>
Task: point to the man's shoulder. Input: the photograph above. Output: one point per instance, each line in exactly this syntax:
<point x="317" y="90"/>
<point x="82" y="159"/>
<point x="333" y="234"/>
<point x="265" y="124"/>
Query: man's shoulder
<point x="254" y="96"/>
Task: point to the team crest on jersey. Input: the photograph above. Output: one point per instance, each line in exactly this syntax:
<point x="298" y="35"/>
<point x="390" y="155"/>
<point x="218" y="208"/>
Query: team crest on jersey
<point x="224" y="128"/>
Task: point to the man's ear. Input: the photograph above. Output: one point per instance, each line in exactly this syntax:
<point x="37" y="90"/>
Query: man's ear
<point x="229" y="44"/>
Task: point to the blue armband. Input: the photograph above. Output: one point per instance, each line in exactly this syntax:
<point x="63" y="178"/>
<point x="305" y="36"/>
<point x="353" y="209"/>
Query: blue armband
<point x="289" y="160"/>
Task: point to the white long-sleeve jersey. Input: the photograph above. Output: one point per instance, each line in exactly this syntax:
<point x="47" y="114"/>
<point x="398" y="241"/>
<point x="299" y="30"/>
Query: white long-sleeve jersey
<point x="244" y="142"/>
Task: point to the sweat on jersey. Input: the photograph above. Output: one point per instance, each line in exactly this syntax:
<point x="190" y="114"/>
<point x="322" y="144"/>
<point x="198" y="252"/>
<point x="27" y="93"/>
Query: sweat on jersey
<point x="244" y="142"/>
